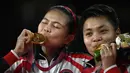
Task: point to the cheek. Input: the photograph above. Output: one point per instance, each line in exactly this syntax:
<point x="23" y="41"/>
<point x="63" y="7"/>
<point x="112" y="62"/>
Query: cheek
<point x="109" y="38"/>
<point x="88" y="45"/>
<point x="58" y="33"/>
<point x="56" y="41"/>
<point x="87" y="42"/>
<point x="40" y="28"/>
<point x="58" y="36"/>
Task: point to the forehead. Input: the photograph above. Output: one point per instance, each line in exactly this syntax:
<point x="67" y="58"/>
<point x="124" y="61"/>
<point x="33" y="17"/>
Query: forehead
<point x="96" y="22"/>
<point x="57" y="16"/>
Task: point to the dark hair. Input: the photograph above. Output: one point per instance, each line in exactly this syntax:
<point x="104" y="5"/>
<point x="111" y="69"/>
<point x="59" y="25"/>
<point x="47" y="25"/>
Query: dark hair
<point x="72" y="17"/>
<point x="101" y="10"/>
<point x="94" y="11"/>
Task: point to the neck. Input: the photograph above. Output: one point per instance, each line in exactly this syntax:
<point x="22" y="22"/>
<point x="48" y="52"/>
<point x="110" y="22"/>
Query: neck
<point x="50" y="53"/>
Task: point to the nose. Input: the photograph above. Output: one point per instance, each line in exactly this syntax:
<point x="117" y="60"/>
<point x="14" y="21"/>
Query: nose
<point x="47" y="29"/>
<point x="97" y="38"/>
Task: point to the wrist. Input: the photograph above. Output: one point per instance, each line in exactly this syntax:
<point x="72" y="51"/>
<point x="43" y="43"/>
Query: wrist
<point x="105" y="64"/>
<point x="112" y="69"/>
<point x="17" y="53"/>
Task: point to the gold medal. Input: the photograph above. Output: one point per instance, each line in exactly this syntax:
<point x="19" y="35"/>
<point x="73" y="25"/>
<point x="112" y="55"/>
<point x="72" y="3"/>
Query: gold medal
<point x="38" y="38"/>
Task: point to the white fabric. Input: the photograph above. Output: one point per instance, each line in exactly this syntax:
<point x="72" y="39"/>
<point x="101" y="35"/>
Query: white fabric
<point x="15" y="54"/>
<point x="110" y="68"/>
<point x="63" y="65"/>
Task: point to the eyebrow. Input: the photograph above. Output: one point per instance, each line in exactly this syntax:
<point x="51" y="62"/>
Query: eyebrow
<point x="100" y="26"/>
<point x="89" y="29"/>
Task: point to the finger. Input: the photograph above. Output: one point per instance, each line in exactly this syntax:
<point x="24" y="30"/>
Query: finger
<point x="28" y="35"/>
<point x="107" y="50"/>
<point x="23" y="33"/>
<point x="28" y="39"/>
<point x="102" y="52"/>
<point x="113" y="47"/>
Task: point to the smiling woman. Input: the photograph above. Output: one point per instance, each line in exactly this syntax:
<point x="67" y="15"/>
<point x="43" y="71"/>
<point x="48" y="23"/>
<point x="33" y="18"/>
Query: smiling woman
<point x="100" y="27"/>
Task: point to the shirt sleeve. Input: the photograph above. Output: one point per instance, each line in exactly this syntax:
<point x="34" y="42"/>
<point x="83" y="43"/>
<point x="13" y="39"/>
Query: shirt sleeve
<point x="11" y="57"/>
<point x="112" y="69"/>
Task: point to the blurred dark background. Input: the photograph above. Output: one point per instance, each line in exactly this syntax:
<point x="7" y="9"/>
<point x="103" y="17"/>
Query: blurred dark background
<point x="19" y="14"/>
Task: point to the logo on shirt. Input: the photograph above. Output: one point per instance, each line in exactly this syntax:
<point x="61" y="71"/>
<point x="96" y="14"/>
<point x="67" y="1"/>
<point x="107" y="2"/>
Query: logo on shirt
<point x="66" y="71"/>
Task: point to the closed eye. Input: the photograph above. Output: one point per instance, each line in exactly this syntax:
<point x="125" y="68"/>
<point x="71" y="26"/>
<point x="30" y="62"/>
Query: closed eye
<point x="44" y="22"/>
<point x="57" y="25"/>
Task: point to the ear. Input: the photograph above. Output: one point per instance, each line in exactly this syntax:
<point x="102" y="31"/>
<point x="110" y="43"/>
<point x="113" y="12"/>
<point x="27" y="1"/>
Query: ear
<point x="118" y="31"/>
<point x="69" y="39"/>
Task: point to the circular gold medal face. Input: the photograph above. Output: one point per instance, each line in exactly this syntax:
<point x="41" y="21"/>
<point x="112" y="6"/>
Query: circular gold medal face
<point x="38" y="38"/>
